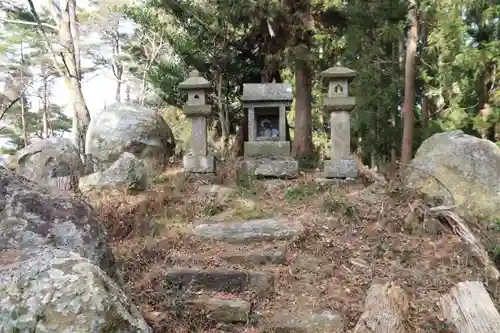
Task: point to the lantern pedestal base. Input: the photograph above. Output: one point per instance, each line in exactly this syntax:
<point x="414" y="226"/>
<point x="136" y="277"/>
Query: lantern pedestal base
<point x="340" y="168"/>
<point x="199" y="164"/>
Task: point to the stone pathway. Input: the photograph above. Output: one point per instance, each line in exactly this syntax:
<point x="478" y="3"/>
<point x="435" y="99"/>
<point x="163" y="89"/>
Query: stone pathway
<point x="208" y="282"/>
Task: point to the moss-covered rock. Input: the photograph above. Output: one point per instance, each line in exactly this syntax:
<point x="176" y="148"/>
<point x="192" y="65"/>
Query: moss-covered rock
<point x="464" y="165"/>
<point x="51" y="290"/>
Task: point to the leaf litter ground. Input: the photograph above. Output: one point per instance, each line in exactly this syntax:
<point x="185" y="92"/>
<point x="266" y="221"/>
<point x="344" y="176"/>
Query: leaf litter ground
<point x="354" y="235"/>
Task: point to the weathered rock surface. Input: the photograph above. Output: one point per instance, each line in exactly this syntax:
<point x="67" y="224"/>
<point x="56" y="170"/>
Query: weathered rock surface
<point x="306" y="322"/>
<point x="248" y="231"/>
<point x="228" y="310"/>
<point x="51" y="290"/>
<point x="468" y="167"/>
<point x="129" y="128"/>
<point x="32" y="217"/>
<point x="45" y="160"/>
<point x="128" y="172"/>
<point x="229" y="281"/>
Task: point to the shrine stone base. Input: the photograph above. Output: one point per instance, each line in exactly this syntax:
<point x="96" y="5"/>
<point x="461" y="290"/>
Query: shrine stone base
<point x="273" y="167"/>
<point x="266" y="148"/>
<point x="199" y="164"/>
<point x="342" y="168"/>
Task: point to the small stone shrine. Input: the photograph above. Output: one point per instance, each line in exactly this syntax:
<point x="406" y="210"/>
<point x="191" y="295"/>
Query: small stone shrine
<point x="267" y="152"/>
<point x="339" y="104"/>
<point x="198" y="161"/>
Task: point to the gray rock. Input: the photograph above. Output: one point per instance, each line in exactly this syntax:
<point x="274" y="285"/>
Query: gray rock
<point x="249" y="231"/>
<point x="467" y="166"/>
<point x="128" y="172"/>
<point x="51" y="290"/>
<point x="229" y="281"/>
<point x="129" y="128"/>
<point x="256" y="257"/>
<point x="31" y="217"/>
<point x="45" y="160"/>
<point x="306" y="322"/>
<point x="231" y="310"/>
<point x="282" y="167"/>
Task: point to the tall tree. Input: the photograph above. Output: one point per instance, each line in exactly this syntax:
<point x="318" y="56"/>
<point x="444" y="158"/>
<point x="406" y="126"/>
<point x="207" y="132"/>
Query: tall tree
<point x="409" y="91"/>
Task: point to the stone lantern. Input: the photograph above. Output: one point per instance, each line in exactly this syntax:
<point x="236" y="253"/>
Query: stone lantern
<point x="197" y="111"/>
<point x="339" y="104"/>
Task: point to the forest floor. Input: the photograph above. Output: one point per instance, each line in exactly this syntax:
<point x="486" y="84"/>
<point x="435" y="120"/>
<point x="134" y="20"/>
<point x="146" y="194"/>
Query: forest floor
<point x="353" y="235"/>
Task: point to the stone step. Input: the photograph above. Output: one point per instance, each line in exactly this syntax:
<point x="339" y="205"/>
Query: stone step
<point x="304" y="322"/>
<point x="221" y="308"/>
<point x="244" y="256"/>
<point x="229" y="281"/>
<point x="250" y="231"/>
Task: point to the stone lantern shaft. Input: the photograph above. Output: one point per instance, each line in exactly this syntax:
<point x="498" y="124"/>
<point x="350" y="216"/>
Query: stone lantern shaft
<point x="197" y="111"/>
<point x="339" y="104"/>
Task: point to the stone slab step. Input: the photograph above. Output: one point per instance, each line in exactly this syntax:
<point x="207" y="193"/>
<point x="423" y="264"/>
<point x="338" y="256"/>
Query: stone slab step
<point x="234" y="255"/>
<point x="229" y="281"/>
<point x="305" y="322"/>
<point x="225" y="308"/>
<point x="250" y="231"/>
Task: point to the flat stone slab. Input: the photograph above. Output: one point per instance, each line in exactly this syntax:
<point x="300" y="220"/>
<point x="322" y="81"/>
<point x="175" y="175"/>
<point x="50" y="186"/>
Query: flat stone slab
<point x="310" y="322"/>
<point x="249" y="231"/>
<point x="272" y="167"/>
<point x="257" y="257"/>
<point x="344" y="168"/>
<point x="228" y="310"/>
<point x="229" y="281"/>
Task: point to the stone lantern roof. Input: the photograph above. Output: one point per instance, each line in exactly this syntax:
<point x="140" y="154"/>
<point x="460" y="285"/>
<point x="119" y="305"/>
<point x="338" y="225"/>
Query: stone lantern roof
<point x="267" y="92"/>
<point x="339" y="73"/>
<point x="195" y="81"/>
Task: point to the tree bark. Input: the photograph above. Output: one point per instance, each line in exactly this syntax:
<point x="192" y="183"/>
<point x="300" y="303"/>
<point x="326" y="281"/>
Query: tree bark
<point x="302" y="145"/>
<point x="470" y="309"/>
<point x="70" y="57"/>
<point x="475" y="248"/>
<point x="409" y="94"/>
<point x="386" y="308"/>
<point x="45" y="102"/>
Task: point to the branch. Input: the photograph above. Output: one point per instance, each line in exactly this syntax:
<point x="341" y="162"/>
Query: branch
<point x="28" y="23"/>
<point x="9" y="106"/>
<point x="46" y="39"/>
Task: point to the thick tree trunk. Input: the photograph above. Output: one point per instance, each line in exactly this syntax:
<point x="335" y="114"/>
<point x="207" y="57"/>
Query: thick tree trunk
<point x="302" y="141"/>
<point x="409" y="94"/>
<point x="470" y="309"/>
<point x="386" y="308"/>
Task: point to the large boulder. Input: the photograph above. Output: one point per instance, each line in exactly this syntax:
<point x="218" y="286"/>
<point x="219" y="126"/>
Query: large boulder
<point x="31" y="217"/>
<point x="126" y="172"/>
<point x="464" y="165"/>
<point x="51" y="290"/>
<point x="46" y="160"/>
<point x="129" y="128"/>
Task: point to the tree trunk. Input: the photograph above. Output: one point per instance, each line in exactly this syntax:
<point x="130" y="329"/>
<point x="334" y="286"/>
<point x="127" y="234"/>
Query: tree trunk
<point x="71" y="58"/>
<point x="224" y="120"/>
<point x="470" y="309"/>
<point x="302" y="145"/>
<point x="425" y="100"/>
<point x="409" y="94"/>
<point x="386" y="308"/>
<point x="45" y="102"/>
<point x="23" y="109"/>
